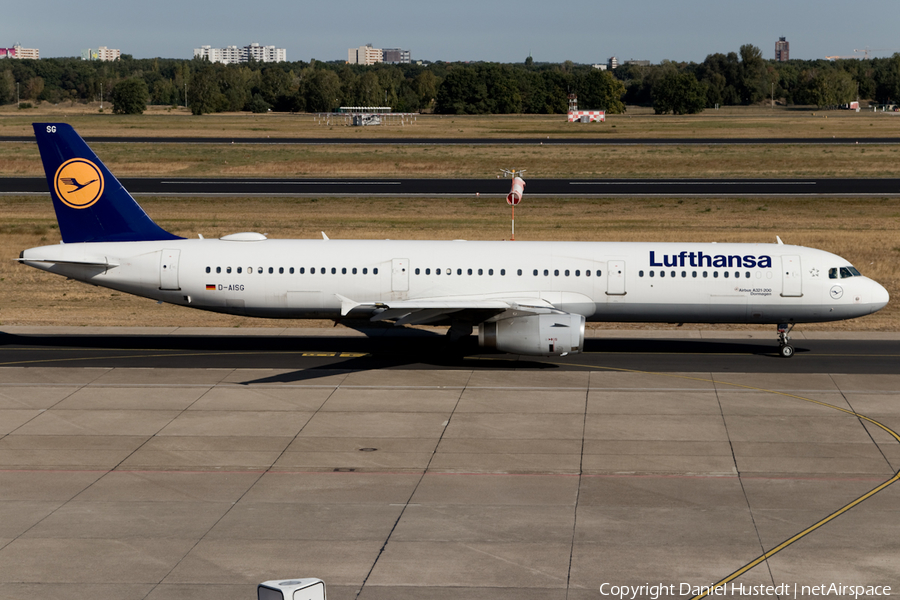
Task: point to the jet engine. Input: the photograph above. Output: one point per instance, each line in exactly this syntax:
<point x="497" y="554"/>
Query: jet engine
<point x="553" y="334"/>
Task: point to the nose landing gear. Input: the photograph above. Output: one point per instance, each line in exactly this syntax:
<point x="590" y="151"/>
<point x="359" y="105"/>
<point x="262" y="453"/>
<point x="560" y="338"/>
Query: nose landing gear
<point x="784" y="335"/>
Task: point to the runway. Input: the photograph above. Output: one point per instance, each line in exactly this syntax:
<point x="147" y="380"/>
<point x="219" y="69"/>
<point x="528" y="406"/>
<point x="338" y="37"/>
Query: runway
<point x="188" y="463"/>
<point x="563" y="188"/>
<point x="610" y="140"/>
<point x="398" y="348"/>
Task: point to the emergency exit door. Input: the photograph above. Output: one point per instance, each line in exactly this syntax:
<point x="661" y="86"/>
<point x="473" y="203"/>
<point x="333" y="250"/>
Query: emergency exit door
<point x="400" y="275"/>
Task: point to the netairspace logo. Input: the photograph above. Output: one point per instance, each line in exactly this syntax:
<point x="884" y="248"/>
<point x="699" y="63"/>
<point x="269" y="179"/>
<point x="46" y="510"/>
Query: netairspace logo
<point x="736" y="590"/>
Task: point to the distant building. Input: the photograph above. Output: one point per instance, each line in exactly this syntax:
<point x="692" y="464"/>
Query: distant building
<point x="365" y="55"/>
<point x="101" y="53"/>
<point x="637" y="63"/>
<point x="18" y="51"/>
<point x="396" y="56"/>
<point x="600" y="66"/>
<point x="782" y="50"/>
<point x="612" y="63"/>
<point x="234" y="54"/>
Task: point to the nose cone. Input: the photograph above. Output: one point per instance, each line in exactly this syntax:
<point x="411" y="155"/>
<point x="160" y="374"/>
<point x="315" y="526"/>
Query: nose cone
<point x="880" y="296"/>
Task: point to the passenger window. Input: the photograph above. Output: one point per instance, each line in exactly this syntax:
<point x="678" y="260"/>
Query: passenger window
<point x="684" y="273"/>
<point x="428" y="271"/>
<point x="218" y="269"/>
<point x="737" y="274"/>
<point x="662" y="273"/>
<point x="208" y="269"/>
<point x="490" y="271"/>
<point x="228" y="269"/>
<point x="715" y="274"/>
<point x="259" y="270"/>
<point x="587" y="273"/>
<point x="302" y="270"/>
<point x="333" y="271"/>
<point x="519" y="272"/>
<point x="705" y="274"/>
<point x="417" y="270"/>
<point x="375" y="271"/>
<point x="354" y="270"/>
<point x="694" y="274"/>
<point x="437" y="271"/>
<point x="672" y="273"/>
<point x="546" y="272"/>
<point x="502" y="272"/>
<point x="567" y="273"/>
<point x="281" y="270"/>
<point x="577" y="273"/>
<point x="556" y="272"/>
<point x="535" y="272"/>
<point x="343" y="270"/>
<point x="726" y="274"/>
<point x="470" y="271"/>
<point x="365" y="270"/>
<point x="322" y="270"/>
<point x="239" y="269"/>
<point x="292" y="270"/>
<point x="598" y="272"/>
<point x="640" y="273"/>
<point x="747" y="275"/>
<point x="449" y="271"/>
<point x="652" y="274"/>
<point x="459" y="271"/>
<point x="480" y="271"/>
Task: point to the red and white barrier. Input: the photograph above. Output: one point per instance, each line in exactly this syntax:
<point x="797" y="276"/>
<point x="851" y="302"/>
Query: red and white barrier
<point x="594" y="115"/>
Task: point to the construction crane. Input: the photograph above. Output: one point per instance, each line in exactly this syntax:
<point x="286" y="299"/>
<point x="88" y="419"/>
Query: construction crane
<point x="866" y="50"/>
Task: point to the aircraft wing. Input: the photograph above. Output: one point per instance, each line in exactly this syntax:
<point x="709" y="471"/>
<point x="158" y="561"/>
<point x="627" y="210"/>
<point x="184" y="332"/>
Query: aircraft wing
<point x="427" y="310"/>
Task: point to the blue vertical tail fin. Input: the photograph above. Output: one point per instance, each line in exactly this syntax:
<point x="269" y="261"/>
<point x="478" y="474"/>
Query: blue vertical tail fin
<point x="91" y="205"/>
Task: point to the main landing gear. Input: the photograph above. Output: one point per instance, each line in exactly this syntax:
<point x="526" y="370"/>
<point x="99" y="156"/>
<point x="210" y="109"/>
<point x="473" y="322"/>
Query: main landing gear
<point x="784" y="335"/>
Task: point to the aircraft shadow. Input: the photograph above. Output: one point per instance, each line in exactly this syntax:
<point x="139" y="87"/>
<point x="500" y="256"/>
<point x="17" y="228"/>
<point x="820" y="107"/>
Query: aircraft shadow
<point x="324" y="356"/>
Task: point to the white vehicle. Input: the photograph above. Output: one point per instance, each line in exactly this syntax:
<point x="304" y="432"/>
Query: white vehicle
<point x="524" y="297"/>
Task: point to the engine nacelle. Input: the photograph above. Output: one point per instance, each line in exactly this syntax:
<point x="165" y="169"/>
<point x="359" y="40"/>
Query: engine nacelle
<point x="536" y="335"/>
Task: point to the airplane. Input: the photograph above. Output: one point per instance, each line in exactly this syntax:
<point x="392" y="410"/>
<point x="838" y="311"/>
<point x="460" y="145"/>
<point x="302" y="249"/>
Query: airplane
<point x="530" y="298"/>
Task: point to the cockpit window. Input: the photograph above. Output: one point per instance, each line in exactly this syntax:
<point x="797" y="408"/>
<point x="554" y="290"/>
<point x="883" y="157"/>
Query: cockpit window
<point x="843" y="272"/>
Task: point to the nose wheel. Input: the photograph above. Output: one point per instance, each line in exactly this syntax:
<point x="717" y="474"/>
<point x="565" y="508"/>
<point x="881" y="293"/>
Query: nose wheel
<point x="784" y="336"/>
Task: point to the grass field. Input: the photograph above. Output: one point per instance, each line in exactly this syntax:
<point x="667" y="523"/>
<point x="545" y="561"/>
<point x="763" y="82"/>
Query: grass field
<point x="198" y="160"/>
<point x="636" y="122"/>
<point x="866" y="232"/>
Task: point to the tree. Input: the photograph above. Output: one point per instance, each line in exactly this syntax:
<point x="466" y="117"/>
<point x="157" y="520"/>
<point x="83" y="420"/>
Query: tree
<point x="600" y="90"/>
<point x="754" y="82"/>
<point x="7" y="87"/>
<point x="322" y="90"/>
<point x="129" y="97"/>
<point x="679" y="93"/>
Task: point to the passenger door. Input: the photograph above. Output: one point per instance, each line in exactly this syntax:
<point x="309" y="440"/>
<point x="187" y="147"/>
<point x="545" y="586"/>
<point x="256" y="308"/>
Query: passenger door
<point x="168" y="269"/>
<point x="791" y="276"/>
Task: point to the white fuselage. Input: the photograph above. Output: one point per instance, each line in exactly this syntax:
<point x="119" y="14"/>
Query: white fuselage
<point x="603" y="281"/>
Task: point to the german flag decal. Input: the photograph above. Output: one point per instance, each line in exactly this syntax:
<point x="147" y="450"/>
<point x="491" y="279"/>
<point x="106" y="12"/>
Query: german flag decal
<point x="210" y="286"/>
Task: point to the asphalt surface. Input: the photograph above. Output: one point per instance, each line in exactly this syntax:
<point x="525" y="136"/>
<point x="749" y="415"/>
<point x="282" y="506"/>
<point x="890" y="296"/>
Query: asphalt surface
<point x="489" y="187"/>
<point x="413" y="349"/>
<point x="412" y="141"/>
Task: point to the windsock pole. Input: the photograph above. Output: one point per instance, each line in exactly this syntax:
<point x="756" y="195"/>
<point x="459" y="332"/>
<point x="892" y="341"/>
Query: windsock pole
<point x="515" y="196"/>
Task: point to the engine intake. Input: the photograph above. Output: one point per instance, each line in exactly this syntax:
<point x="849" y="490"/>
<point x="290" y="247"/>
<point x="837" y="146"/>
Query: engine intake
<point x="535" y="335"/>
